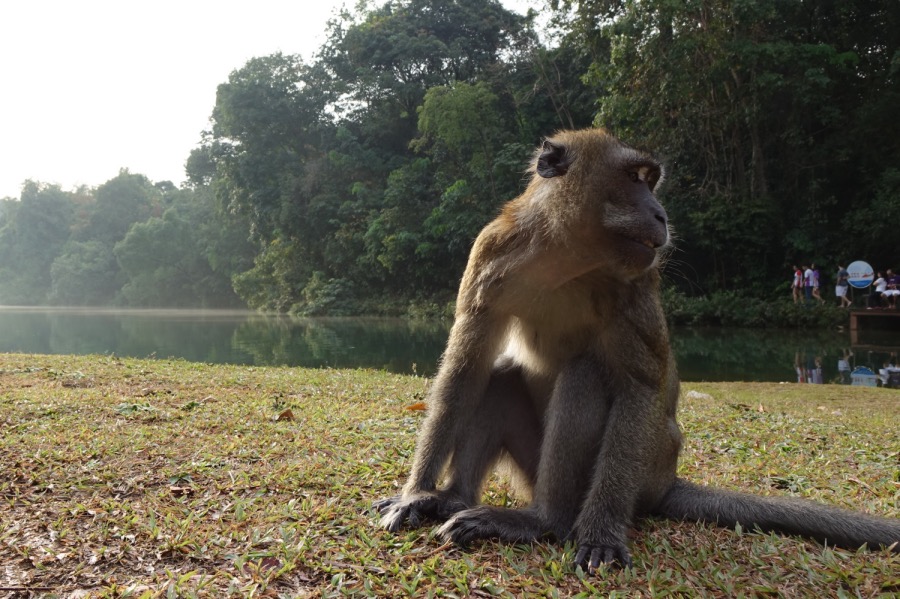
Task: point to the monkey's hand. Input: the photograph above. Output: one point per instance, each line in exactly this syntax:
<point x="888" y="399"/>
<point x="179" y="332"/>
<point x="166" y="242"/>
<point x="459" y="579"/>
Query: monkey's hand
<point x="609" y="549"/>
<point x="589" y="557"/>
<point x="415" y="508"/>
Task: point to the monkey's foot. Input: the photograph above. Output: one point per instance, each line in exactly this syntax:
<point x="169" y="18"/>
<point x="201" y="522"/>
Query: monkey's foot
<point x="488" y="522"/>
<point x="415" y="508"/>
<point x="589" y="556"/>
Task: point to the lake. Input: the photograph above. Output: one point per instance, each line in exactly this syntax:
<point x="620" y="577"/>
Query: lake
<point x="396" y="345"/>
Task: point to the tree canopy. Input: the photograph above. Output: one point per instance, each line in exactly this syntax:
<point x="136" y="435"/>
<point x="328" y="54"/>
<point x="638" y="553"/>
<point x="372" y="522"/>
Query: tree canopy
<point x="356" y="182"/>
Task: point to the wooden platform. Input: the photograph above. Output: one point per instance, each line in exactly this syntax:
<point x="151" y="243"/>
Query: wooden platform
<point x="881" y="320"/>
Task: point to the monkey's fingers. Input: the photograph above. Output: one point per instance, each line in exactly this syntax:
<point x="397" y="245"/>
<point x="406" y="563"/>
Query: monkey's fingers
<point x="383" y="505"/>
<point x="395" y="516"/>
<point x="491" y="522"/>
<point x="460" y="531"/>
<point x="589" y="557"/>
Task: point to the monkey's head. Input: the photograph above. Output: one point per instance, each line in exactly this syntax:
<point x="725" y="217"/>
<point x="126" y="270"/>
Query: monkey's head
<point x="598" y="195"/>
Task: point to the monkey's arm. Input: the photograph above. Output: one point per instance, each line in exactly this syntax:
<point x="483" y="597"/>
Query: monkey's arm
<point x="475" y="341"/>
<point x="458" y="387"/>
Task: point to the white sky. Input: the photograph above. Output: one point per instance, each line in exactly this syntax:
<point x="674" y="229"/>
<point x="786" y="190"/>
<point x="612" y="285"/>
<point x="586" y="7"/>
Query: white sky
<point x="91" y="86"/>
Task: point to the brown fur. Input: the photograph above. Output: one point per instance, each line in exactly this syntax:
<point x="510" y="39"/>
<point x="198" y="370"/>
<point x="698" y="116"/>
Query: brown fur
<point x="559" y="358"/>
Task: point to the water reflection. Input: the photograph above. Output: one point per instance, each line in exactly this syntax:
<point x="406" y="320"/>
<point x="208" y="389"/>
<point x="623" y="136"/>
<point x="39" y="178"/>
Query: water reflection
<point x="395" y="345"/>
<point x="809" y="369"/>
<point x="849" y="373"/>
<point x="398" y="345"/>
<point x="229" y="337"/>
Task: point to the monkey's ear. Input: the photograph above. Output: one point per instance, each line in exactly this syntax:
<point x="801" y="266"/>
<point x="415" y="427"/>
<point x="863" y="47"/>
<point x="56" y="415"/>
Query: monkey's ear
<point x="554" y="160"/>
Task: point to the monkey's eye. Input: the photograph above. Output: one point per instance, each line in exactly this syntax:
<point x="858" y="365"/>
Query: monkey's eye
<point x="634" y="176"/>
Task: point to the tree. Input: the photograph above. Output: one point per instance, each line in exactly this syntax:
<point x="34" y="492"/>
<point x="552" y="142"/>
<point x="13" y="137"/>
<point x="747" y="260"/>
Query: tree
<point x="479" y="160"/>
<point x="389" y="60"/>
<point x="306" y="152"/>
<point x="764" y="107"/>
<point x="375" y="166"/>
<point x="119" y="203"/>
<point x="186" y="257"/>
<point x="32" y="235"/>
<point x="85" y="274"/>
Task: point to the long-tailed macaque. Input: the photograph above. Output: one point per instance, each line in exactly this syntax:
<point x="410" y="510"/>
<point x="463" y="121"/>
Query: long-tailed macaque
<point x="559" y="359"/>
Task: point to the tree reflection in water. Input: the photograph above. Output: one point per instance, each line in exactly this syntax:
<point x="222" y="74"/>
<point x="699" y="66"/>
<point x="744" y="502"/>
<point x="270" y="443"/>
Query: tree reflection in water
<point x="396" y="345"/>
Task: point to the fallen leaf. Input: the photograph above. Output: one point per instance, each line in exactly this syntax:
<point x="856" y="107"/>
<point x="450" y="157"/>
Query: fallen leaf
<point x="286" y="415"/>
<point x="180" y="491"/>
<point x="419" y="406"/>
<point x="267" y="564"/>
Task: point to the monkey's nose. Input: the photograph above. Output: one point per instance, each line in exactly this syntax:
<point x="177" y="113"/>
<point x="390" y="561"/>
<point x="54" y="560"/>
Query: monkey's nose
<point x="661" y="234"/>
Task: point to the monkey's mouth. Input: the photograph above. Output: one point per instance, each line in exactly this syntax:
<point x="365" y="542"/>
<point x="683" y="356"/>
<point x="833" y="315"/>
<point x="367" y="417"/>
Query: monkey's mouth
<point x="647" y="243"/>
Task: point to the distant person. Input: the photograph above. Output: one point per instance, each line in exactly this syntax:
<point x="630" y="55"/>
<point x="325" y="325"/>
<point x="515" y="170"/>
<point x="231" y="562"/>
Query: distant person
<point x="807" y="282"/>
<point x="893" y="372"/>
<point x="815" y="283"/>
<point x="888" y="368"/>
<point x="892" y="289"/>
<point x="799" y="368"/>
<point x="818" y="377"/>
<point x="841" y="286"/>
<point x="844" y="367"/>
<point x="880" y="286"/>
<point x="797" y="284"/>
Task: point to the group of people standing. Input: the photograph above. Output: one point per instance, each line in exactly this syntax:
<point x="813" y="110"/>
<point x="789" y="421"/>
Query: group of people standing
<point x="806" y="283"/>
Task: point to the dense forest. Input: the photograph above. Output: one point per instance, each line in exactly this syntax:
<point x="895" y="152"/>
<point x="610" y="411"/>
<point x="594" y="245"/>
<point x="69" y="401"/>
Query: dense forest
<point x="355" y="183"/>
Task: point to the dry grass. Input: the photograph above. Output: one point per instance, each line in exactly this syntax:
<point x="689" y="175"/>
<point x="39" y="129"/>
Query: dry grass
<point x="148" y="478"/>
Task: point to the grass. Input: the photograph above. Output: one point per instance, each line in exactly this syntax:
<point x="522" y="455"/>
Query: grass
<point x="153" y="478"/>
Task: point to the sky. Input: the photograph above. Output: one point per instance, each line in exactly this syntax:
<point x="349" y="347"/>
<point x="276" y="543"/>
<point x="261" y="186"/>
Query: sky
<point x="88" y="87"/>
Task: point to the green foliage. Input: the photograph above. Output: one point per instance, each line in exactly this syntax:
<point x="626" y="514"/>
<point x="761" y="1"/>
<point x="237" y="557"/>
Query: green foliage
<point x="735" y="309"/>
<point x="165" y="265"/>
<point x="379" y="162"/>
<point x="60" y="247"/>
<point x="117" y="204"/>
<point x="263" y="119"/>
<point x="356" y="182"/>
<point x="32" y="235"/>
<point x="463" y="117"/>
<point x="321" y="296"/>
<point x="767" y="111"/>
<point x="873" y="224"/>
<point x="276" y="279"/>
<point x="85" y="274"/>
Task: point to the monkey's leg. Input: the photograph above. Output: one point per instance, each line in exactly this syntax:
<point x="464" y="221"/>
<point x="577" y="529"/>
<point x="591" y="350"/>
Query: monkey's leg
<point x="504" y="419"/>
<point x="624" y="473"/>
<point x="572" y="432"/>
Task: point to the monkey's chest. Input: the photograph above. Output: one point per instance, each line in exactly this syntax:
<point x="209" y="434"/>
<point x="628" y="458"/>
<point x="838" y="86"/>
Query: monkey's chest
<point x="546" y="346"/>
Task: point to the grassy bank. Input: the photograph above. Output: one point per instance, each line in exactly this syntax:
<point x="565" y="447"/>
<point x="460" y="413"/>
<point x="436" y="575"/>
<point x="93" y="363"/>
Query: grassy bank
<point x="157" y="478"/>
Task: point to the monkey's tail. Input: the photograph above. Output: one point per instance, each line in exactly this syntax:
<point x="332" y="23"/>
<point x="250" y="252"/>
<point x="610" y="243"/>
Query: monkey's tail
<point x="788" y="515"/>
